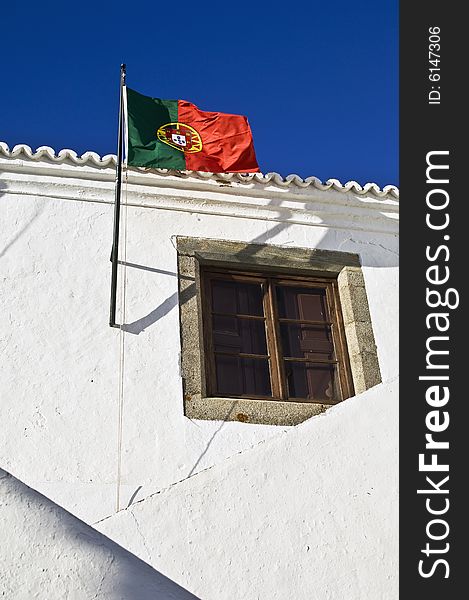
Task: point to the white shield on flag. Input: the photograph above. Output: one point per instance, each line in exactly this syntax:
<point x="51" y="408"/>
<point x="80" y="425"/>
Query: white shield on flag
<point x="179" y="139"/>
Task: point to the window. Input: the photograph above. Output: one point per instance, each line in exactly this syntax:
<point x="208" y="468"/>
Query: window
<point x="271" y="334"/>
<point x="274" y="338"/>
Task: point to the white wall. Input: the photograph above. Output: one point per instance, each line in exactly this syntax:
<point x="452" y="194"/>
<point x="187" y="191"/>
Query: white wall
<point x="61" y="362"/>
<point x="48" y="553"/>
<point x="311" y="514"/>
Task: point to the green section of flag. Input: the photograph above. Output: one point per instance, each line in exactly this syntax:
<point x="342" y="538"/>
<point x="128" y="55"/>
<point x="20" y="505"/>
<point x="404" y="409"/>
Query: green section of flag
<point x="145" y="116"/>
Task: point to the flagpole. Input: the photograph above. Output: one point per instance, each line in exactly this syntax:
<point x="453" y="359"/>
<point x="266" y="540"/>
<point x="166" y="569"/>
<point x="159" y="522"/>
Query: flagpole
<point x="117" y="203"/>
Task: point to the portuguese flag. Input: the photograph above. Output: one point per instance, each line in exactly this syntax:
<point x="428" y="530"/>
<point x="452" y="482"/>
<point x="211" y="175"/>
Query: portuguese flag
<point x="175" y="134"/>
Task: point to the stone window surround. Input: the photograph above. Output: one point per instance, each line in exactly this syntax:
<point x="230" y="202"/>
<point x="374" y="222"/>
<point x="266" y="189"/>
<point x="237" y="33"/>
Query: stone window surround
<point x="345" y="267"/>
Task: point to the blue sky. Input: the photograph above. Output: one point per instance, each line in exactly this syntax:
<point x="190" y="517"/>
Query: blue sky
<point x="317" y="80"/>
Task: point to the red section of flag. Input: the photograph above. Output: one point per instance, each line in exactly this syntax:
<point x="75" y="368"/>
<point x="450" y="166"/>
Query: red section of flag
<point x="227" y="145"/>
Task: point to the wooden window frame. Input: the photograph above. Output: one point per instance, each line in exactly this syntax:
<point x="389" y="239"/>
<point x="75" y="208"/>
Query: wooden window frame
<point x="275" y="355"/>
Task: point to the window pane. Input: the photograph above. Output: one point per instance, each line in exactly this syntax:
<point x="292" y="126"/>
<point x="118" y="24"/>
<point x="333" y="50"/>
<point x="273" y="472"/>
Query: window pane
<point x="242" y="376"/>
<point x="237" y="297"/>
<point x="311" y="382"/>
<point x="232" y="334"/>
<point x="308" y="304"/>
<point x="306" y="341"/>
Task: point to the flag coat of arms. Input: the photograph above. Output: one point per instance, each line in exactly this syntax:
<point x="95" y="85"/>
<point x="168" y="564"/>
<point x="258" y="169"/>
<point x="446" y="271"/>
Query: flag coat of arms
<point x="175" y="134"/>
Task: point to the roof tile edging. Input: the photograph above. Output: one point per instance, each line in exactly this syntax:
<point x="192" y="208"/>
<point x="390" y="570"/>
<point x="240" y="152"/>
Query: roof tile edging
<point x="109" y="160"/>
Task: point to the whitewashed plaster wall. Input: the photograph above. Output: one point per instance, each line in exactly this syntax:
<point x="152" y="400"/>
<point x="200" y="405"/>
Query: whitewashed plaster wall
<point x="310" y="514"/>
<point x="47" y="553"/>
<point x="61" y="362"/>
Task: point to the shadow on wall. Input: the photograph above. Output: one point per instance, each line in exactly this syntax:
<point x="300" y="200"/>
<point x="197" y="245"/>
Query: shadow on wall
<point x="162" y="309"/>
<point x="52" y="552"/>
<point x="214" y="435"/>
<point x="389" y="258"/>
